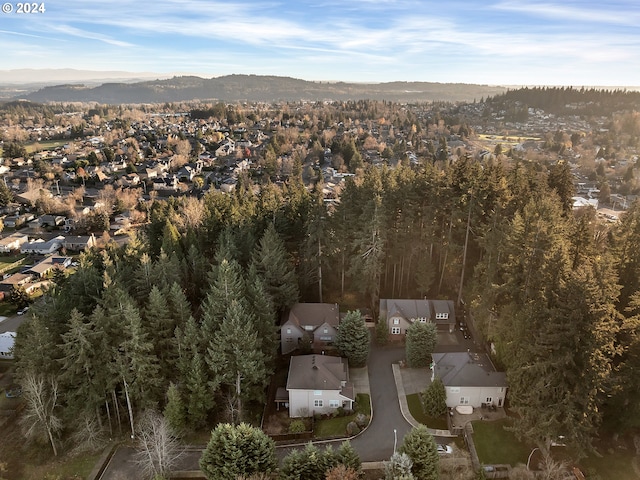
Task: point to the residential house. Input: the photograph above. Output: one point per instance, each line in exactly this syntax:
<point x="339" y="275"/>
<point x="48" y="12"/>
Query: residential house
<point x="41" y="269"/>
<point x="15" y="221"/>
<point x="12" y="242"/>
<point x="77" y="243"/>
<point x="7" y="339"/>
<point x="51" y="220"/>
<point x="318" y="384"/>
<point x="40" y="247"/>
<point x="400" y="314"/>
<point x="15" y="280"/>
<point x="470" y="379"/>
<point x="316" y="321"/>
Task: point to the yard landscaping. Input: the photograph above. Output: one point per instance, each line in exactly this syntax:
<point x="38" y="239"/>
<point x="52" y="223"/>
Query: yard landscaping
<point x="337" y="426"/>
<point x="415" y="407"/>
<point x="495" y="445"/>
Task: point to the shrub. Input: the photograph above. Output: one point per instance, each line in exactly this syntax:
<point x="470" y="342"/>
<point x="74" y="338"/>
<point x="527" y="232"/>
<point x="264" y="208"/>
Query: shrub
<point x="353" y="428"/>
<point x="297" y="426"/>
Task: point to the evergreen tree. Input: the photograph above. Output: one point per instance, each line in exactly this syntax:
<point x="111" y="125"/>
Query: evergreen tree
<point x="421" y="448"/>
<point x="261" y="305"/>
<point x="352" y="339"/>
<point x="227" y="286"/>
<point x="235" y="450"/>
<point x="234" y="355"/>
<point x="175" y="411"/>
<point x="434" y="399"/>
<point x="420" y="341"/>
<point x="273" y="264"/>
<point x="198" y="385"/>
<point x="159" y="327"/>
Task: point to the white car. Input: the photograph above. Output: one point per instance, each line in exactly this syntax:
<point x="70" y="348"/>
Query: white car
<point x="444" y="449"/>
<point x="23" y="311"/>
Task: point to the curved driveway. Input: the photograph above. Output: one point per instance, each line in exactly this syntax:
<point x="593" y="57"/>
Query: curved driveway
<point x="377" y="441"/>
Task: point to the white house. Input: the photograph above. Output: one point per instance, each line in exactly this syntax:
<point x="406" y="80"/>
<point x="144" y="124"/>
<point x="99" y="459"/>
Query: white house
<point x="41" y="247"/>
<point x="470" y="379"/>
<point x="12" y="242"/>
<point x="318" y="384"/>
<point x="7" y="339"/>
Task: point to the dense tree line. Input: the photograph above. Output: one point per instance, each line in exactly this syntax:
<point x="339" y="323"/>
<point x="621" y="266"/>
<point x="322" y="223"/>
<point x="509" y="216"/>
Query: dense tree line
<point x="194" y="301"/>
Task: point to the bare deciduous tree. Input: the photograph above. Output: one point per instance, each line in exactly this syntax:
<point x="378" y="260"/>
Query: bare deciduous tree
<point x="158" y="448"/>
<point x="40" y="419"/>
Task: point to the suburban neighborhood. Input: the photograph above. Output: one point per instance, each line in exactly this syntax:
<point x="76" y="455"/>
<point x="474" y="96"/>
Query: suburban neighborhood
<point x="385" y="274"/>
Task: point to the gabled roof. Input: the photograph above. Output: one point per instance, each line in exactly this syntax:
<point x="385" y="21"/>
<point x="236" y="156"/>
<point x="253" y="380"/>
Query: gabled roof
<point x="467" y="369"/>
<point x="409" y="309"/>
<point x="314" y="314"/>
<point x="317" y="372"/>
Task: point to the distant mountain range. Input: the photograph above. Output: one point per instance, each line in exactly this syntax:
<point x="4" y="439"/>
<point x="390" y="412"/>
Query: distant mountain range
<point x="232" y="88"/>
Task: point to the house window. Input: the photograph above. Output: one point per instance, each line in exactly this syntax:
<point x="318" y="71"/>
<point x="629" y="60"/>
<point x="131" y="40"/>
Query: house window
<point x="454" y="389"/>
<point x="334" y="403"/>
<point x="308" y="328"/>
<point x="442" y="316"/>
<point x="464" y="400"/>
<point x="318" y="403"/>
<point x="326" y="330"/>
<point x="317" y="392"/>
<point x="395" y="330"/>
<point x="396" y="321"/>
<point x="423" y="320"/>
<point x="288" y="331"/>
<point x="489" y="400"/>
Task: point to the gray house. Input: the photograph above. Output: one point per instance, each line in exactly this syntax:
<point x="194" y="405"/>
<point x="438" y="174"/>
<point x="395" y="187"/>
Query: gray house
<point x="318" y="384"/>
<point x="399" y="314"/>
<point x="470" y="379"/>
<point x="317" y="321"/>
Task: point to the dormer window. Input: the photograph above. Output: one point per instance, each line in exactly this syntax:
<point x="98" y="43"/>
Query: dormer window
<point x="442" y="316"/>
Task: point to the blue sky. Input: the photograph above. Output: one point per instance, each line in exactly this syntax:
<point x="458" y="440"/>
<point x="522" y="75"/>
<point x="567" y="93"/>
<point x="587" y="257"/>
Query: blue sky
<point x="502" y="42"/>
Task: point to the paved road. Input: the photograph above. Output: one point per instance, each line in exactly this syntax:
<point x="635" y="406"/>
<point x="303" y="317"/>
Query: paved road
<point x="377" y="441"/>
<point x="11" y="324"/>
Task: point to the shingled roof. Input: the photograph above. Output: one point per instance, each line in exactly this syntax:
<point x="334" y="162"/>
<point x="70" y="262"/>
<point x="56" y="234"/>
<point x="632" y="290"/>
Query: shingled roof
<point x="319" y="372"/>
<point x="467" y="369"/>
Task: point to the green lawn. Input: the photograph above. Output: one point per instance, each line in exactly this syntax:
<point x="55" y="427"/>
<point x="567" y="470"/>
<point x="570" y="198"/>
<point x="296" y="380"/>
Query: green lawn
<point x="65" y="468"/>
<point x="494" y="444"/>
<point x="616" y="465"/>
<point x="44" y="145"/>
<point x="337" y="427"/>
<point x="415" y="407"/>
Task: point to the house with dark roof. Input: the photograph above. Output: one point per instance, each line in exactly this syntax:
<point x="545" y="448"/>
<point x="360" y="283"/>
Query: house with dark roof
<point x="470" y="379"/>
<point x="400" y="314"/>
<point x="316" y="321"/>
<point x="318" y="384"/>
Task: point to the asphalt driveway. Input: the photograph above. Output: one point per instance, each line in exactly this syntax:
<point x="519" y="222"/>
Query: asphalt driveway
<point x="376" y="443"/>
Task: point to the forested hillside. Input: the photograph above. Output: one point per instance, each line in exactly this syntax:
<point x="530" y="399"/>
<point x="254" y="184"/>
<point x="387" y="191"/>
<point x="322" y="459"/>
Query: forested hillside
<point x="190" y="307"/>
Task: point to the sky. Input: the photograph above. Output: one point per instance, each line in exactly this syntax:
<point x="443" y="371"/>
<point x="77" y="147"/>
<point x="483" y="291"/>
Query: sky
<point x="502" y="42"/>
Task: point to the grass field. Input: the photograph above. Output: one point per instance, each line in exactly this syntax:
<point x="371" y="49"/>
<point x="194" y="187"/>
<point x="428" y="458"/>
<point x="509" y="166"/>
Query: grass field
<point x="415" y="407"/>
<point x="44" y="145"/>
<point x="66" y="468"/>
<point x="495" y="445"/>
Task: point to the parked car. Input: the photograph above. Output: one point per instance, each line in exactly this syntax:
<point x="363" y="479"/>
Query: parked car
<point x="22" y="311"/>
<point x="444" y="449"/>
